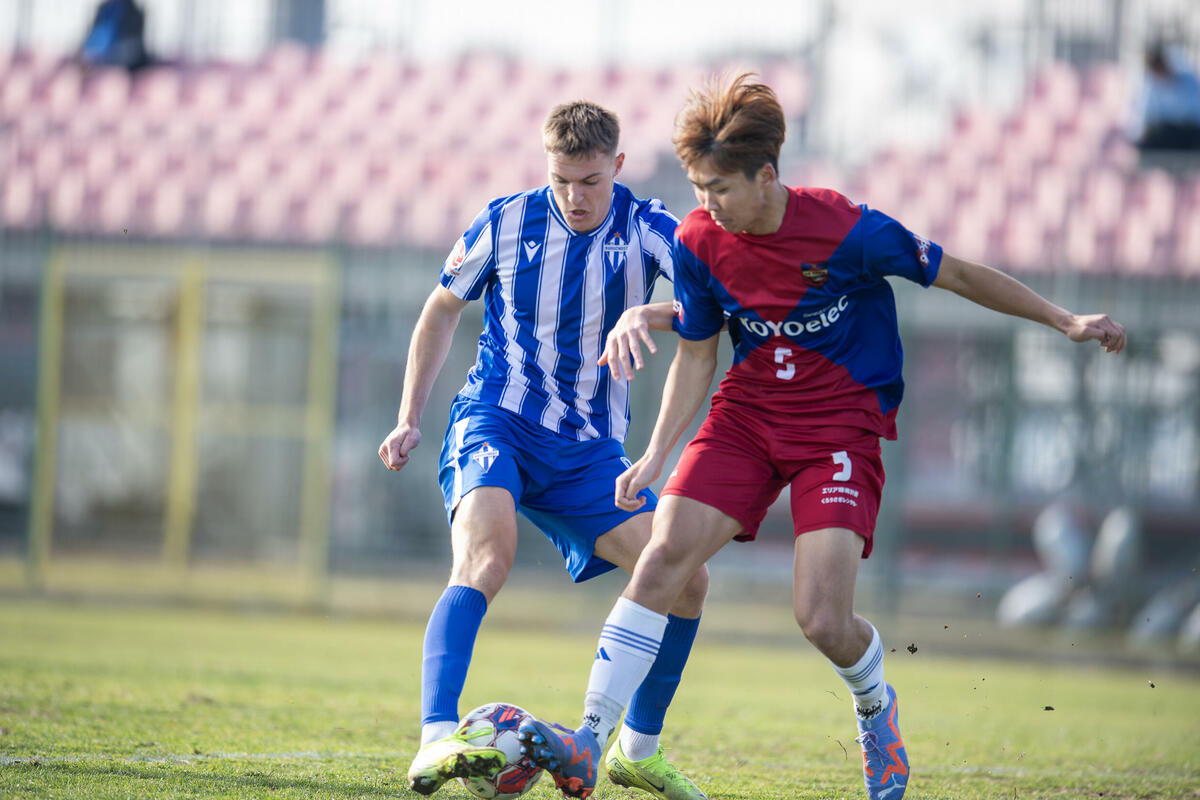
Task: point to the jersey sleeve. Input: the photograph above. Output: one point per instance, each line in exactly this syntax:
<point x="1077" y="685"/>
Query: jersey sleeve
<point x="657" y="233"/>
<point x="466" y="270"/>
<point x="891" y="249"/>
<point x="698" y="315"/>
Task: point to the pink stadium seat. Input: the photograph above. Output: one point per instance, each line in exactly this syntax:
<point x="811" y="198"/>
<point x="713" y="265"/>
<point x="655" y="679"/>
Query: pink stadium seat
<point x="318" y="219"/>
<point x="1050" y="197"/>
<point x="220" y="208"/>
<point x="1104" y="87"/>
<point x="22" y="203"/>
<point x="106" y="93"/>
<point x="968" y="234"/>
<point x="979" y="130"/>
<point x="374" y="222"/>
<point x="1186" y="255"/>
<point x="171" y="209"/>
<point x="286" y="58"/>
<point x="16" y="95"/>
<point x="100" y="162"/>
<point x="1153" y="193"/>
<point x="1102" y="196"/>
<point x="1136" y="251"/>
<point x="1023" y="241"/>
<point x="117" y="209"/>
<point x="158" y="92"/>
<point x="1055" y="91"/>
<point x="270" y="214"/>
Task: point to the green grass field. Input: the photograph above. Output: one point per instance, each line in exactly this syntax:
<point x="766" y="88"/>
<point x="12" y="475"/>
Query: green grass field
<point x="136" y="701"/>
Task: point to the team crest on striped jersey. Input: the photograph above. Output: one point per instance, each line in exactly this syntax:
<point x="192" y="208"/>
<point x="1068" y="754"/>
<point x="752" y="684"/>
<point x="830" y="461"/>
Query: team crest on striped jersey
<point x="485" y="456"/>
<point x="616" y="249"/>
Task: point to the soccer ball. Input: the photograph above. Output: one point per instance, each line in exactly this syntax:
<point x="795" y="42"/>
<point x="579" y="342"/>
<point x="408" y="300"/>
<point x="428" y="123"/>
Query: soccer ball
<point x="495" y="725"/>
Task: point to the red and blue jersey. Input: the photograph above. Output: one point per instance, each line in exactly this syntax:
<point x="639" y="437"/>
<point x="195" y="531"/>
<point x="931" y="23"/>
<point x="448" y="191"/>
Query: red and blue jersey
<point x="810" y="312"/>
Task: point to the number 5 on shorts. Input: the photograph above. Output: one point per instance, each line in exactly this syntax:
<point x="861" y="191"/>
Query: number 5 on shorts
<point x="842" y="459"/>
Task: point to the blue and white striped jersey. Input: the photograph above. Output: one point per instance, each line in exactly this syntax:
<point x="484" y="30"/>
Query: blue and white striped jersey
<point x="551" y="295"/>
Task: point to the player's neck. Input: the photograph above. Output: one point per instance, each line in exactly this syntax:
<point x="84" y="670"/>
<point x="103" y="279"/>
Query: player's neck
<point x="773" y="212"/>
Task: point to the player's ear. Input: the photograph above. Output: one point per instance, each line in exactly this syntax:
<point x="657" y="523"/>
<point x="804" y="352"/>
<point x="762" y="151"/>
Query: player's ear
<point x="618" y="162"/>
<point x="767" y="175"/>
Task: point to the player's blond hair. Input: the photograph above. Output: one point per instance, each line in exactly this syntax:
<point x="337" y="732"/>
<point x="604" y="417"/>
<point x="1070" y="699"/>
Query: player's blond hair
<point x="738" y="124"/>
<point x="579" y="129"/>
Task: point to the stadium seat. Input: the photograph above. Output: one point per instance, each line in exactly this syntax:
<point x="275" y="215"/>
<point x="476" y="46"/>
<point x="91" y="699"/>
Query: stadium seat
<point x="22" y="203"/>
<point x="1185" y="257"/>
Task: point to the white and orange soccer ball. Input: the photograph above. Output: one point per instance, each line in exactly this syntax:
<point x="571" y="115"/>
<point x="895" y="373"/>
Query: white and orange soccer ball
<point x="495" y="725"/>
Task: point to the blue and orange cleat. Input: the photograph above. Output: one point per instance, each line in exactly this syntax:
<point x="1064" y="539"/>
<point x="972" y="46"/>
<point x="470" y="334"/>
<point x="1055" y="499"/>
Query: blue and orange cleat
<point x="571" y="757"/>
<point x="885" y="764"/>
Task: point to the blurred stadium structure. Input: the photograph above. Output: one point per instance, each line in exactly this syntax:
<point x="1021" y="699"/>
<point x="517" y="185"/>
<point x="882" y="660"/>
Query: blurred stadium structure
<point x="209" y="269"/>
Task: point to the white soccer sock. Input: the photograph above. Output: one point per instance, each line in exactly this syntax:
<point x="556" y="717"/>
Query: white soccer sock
<point x="637" y="746"/>
<point x="436" y="730"/>
<point x="865" y="680"/>
<point x="628" y="646"/>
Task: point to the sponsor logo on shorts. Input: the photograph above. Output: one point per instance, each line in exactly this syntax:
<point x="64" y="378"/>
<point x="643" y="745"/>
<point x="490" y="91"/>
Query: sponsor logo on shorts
<point x="839" y="494"/>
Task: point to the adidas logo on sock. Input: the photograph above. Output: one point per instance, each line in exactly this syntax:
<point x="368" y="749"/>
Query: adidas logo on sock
<point x="601" y="655"/>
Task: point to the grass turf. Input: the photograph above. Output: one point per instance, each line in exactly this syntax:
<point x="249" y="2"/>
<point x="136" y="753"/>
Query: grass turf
<point x="104" y="701"/>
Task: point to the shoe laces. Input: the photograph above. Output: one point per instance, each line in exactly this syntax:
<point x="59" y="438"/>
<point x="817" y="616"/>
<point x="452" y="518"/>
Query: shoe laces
<point x="465" y="735"/>
<point x="869" y="742"/>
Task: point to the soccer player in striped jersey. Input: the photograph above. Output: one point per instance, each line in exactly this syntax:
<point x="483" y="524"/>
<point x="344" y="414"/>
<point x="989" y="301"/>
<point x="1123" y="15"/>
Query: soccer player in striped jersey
<point x="565" y="273"/>
<point x="798" y="275"/>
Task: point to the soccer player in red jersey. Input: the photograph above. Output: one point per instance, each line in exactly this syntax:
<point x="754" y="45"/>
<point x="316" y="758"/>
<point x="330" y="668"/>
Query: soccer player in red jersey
<point x="798" y="276"/>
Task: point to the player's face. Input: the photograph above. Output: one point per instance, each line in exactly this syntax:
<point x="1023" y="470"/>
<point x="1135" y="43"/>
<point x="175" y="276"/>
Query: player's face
<point x="735" y="202"/>
<point x="583" y="186"/>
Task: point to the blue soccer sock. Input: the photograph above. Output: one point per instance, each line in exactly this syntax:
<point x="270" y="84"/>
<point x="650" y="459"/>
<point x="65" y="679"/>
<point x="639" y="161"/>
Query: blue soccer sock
<point x="449" y="640"/>
<point x="648" y="709"/>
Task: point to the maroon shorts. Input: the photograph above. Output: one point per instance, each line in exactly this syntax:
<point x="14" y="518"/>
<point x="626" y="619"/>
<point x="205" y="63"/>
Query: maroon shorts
<point x="740" y="461"/>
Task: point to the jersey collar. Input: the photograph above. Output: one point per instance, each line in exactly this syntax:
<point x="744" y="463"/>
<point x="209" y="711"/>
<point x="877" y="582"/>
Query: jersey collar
<point x="554" y="212"/>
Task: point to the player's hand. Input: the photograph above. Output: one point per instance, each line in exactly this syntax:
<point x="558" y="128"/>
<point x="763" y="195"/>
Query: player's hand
<point x="398" y="444"/>
<point x="623" y="348"/>
<point x="1085" y="327"/>
<point x="643" y="473"/>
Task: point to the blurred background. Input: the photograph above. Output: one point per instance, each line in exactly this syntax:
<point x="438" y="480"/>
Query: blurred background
<point x="219" y="220"/>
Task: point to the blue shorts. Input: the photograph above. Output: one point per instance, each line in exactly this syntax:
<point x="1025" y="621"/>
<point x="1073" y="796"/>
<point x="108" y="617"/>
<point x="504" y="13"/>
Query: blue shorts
<point x="563" y="486"/>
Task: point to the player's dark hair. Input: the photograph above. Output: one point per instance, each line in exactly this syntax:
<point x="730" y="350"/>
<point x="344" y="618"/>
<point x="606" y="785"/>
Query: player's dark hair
<point x="580" y="129"/>
<point x="739" y="125"/>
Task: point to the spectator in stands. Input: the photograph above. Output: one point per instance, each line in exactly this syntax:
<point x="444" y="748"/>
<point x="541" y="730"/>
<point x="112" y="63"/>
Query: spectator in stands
<point x="1169" y="106"/>
<point x="116" y="37"/>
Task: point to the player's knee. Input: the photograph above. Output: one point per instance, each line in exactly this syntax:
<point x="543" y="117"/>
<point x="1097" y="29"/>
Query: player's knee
<point x="691" y="599"/>
<point x="823" y="629"/>
<point x="485" y="571"/>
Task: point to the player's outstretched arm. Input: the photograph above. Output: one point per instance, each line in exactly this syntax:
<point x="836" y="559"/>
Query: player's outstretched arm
<point x="993" y="289"/>
<point x="426" y="354"/>
<point x="623" y="347"/>
<point x="687" y="385"/>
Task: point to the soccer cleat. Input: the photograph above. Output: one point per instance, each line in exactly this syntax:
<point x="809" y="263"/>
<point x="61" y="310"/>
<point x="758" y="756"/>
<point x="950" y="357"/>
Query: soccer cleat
<point x="453" y="757"/>
<point x="571" y="757"/>
<point x="654" y="774"/>
<point x="885" y="764"/>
